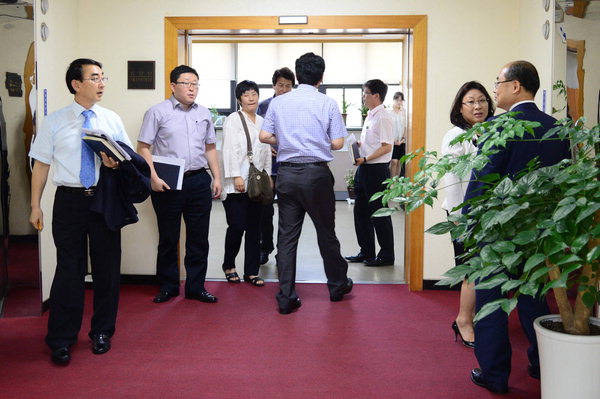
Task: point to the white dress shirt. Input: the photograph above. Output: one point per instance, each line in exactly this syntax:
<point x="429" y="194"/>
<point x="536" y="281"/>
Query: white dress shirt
<point x="59" y="142"/>
<point x="377" y="130"/>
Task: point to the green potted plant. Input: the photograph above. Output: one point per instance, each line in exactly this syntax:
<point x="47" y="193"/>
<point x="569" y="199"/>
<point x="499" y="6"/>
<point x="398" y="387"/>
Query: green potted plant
<point x="345" y="106"/>
<point x="363" y="112"/>
<point x="535" y="233"/>
<point x="349" y="179"/>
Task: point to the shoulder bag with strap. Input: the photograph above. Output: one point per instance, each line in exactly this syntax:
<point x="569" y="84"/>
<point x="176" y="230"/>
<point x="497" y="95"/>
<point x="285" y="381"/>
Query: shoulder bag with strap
<point x="259" y="183"/>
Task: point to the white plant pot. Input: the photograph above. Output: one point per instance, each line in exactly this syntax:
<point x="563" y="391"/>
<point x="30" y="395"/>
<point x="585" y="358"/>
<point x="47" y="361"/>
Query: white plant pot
<point x="569" y="364"/>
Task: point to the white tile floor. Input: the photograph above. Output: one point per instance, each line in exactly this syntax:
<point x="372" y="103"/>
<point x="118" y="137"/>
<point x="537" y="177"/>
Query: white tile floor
<point x="310" y="264"/>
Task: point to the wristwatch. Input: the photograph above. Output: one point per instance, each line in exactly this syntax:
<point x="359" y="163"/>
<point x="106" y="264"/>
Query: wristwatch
<point x="364" y="159"/>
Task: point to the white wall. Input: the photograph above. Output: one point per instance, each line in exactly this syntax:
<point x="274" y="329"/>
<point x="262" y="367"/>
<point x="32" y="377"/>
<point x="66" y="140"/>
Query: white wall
<point x="467" y="40"/>
<point x="53" y="57"/>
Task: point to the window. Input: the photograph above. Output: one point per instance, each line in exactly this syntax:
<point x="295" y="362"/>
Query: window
<point x="348" y="65"/>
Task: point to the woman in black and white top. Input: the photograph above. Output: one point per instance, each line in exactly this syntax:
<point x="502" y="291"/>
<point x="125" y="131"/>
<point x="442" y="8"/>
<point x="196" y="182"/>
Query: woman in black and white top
<point x="242" y="214"/>
<point x="471" y="105"/>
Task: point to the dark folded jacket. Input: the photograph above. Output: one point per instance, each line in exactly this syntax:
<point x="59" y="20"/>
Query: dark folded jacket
<point x="119" y="189"/>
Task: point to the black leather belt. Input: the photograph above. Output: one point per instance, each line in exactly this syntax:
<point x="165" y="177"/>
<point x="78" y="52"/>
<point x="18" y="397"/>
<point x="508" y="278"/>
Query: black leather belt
<point x="193" y="172"/>
<point x="86" y="192"/>
<point x="301" y="164"/>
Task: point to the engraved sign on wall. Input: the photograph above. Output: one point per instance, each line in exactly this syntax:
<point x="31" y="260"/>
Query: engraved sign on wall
<point x="140" y="75"/>
<point x="14" y="84"/>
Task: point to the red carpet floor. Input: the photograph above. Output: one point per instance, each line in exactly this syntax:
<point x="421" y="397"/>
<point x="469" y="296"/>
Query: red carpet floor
<point x="380" y="342"/>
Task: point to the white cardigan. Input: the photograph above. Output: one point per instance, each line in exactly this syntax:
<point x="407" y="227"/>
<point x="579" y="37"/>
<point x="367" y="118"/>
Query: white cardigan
<point x="234" y="153"/>
<point x="455" y="187"/>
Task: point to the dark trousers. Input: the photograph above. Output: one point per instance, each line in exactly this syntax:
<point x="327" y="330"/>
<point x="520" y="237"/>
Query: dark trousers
<point x="193" y="202"/>
<point x="492" y="349"/>
<point x="73" y="224"/>
<point x="243" y="215"/>
<point x="368" y="181"/>
<point x="307" y="189"/>
<point x="266" y="224"/>
<point x="398" y="152"/>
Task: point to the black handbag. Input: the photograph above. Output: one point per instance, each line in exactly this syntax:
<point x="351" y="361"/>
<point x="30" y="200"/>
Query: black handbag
<point x="259" y="183"/>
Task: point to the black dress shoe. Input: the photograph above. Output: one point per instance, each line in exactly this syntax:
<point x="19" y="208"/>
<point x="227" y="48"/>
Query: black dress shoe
<point x="357" y="258"/>
<point x="345" y="290"/>
<point x="164" y="296"/>
<point x="100" y="344"/>
<point x="477" y="378"/>
<point x="378" y="262"/>
<point x="293" y="306"/>
<point x="534" y="372"/>
<point x="204" y="296"/>
<point x="61" y="356"/>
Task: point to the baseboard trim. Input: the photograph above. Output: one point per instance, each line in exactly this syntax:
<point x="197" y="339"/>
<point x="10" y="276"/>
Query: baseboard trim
<point x="430" y="285"/>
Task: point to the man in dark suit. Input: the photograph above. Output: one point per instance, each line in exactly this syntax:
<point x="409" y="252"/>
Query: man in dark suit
<point x="515" y="89"/>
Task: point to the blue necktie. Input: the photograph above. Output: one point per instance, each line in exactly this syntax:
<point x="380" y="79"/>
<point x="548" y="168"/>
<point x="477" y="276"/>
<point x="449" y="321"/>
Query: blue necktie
<point x="87" y="173"/>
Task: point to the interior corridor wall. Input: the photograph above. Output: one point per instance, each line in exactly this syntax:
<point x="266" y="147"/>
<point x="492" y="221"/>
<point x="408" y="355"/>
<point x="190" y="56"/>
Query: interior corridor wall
<point x="53" y="57"/>
<point x="467" y="40"/>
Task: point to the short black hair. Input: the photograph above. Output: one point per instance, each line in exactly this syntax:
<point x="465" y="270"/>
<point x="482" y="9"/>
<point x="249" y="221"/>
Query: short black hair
<point x="376" y="86"/>
<point x="75" y="71"/>
<point x="310" y="68"/>
<point x="399" y="94"/>
<point x="525" y="73"/>
<point x="456" y="117"/>
<point x="244" y="86"/>
<point x="176" y="73"/>
<point x="285" y="73"/>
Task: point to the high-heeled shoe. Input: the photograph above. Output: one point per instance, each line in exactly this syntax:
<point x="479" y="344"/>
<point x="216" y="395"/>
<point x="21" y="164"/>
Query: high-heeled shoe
<point x="468" y="344"/>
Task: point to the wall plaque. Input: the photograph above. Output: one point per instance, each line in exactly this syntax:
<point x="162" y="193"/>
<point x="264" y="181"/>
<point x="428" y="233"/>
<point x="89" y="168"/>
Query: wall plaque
<point x="140" y="75"/>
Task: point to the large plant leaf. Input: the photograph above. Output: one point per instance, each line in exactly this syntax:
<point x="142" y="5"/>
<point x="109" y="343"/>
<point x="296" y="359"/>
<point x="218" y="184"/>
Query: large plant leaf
<point x="441" y="228"/>
<point x="563" y="211"/>
<point x="491" y="282"/>
<point x="533" y="261"/>
<point x="525" y="237"/>
<point x="511" y="285"/>
<point x="588" y="211"/>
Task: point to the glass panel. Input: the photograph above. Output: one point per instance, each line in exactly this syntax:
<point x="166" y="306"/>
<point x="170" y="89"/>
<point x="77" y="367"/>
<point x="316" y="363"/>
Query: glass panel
<point x="214" y="93"/>
<point x="344" y="63"/>
<point x="389" y="71"/>
<point x="258" y="61"/>
<point x="353" y="97"/>
<point x="215" y="65"/>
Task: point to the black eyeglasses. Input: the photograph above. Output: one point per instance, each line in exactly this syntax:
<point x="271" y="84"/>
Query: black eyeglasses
<point x="472" y="103"/>
<point x="187" y="85"/>
<point x="97" y="79"/>
<point x="504" y="81"/>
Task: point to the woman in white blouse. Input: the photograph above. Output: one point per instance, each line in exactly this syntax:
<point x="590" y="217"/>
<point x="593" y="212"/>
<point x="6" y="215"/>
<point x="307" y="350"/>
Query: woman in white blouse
<point x="399" y="128"/>
<point x="242" y="214"/>
<point x="471" y="105"/>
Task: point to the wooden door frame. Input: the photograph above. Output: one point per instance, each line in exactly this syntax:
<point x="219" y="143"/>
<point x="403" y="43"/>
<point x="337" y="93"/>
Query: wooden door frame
<point x="578" y="46"/>
<point x="414" y="224"/>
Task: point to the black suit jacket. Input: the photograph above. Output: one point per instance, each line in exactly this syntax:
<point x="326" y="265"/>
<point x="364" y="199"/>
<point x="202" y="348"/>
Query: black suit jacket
<point x="513" y="158"/>
<point x="119" y="189"/>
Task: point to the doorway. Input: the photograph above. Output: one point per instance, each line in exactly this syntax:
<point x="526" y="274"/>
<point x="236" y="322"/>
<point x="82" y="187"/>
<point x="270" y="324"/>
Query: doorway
<point x="20" y="292"/>
<point x="416" y="24"/>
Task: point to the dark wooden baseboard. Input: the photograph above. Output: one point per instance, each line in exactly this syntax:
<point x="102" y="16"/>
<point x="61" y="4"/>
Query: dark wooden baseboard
<point x="430" y="285"/>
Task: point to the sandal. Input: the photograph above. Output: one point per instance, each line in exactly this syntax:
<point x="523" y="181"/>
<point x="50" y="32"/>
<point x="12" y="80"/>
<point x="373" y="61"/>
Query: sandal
<point x="255" y="281"/>
<point x="233" y="277"/>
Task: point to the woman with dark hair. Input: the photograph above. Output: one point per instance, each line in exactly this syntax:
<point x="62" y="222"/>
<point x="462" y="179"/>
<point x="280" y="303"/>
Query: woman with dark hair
<point x="243" y="214"/>
<point x="399" y="129"/>
<point x="471" y="105"/>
